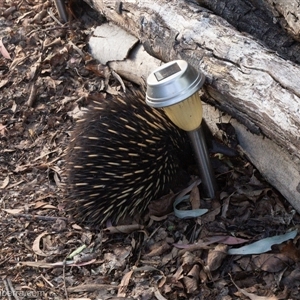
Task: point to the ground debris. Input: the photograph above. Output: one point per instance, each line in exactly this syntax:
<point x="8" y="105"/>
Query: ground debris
<point x="47" y="78"/>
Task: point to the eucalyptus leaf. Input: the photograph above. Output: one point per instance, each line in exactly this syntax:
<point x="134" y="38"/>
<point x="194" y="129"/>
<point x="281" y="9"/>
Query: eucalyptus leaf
<point x="263" y="245"/>
<point x="191" y="213"/>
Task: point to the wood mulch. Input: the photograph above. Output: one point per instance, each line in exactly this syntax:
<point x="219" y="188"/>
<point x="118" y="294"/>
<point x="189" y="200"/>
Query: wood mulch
<point x="46" y="77"/>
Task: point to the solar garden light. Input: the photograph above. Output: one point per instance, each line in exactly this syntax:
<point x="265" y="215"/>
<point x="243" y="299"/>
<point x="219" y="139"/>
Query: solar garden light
<point x="174" y="87"/>
<point x="61" y="8"/>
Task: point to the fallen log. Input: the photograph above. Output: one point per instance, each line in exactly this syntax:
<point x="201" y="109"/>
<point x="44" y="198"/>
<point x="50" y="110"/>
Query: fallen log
<point x="261" y="20"/>
<point x="244" y="79"/>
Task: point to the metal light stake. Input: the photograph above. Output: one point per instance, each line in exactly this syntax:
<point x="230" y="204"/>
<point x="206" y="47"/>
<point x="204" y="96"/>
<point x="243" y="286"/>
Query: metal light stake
<point x="61" y="8"/>
<point x="174" y="87"/>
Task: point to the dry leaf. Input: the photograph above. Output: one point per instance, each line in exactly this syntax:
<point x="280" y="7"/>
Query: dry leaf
<point x="124" y="283"/>
<point x="253" y="296"/>
<point x="191" y="281"/>
<point x="272" y="262"/>
<point x="40" y="204"/>
<point x="290" y="250"/>
<point x="76" y="227"/>
<point x="158" y="249"/>
<point x="3" y="50"/>
<point x="14" y="211"/>
<point x="123" y="228"/>
<point x="227" y="240"/>
<point x="158" y="295"/>
<point x="3" y="129"/>
<point x="189" y="259"/>
<point x="161" y="206"/>
<point x="195" y="197"/>
<point x="36" y="245"/>
<point x="5" y="183"/>
<point x="178" y="274"/>
<point x="216" y="257"/>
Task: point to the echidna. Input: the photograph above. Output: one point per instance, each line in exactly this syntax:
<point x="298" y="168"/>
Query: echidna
<point x="122" y="154"/>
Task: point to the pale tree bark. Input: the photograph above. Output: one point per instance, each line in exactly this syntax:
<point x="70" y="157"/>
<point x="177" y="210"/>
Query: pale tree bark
<point x="245" y="79"/>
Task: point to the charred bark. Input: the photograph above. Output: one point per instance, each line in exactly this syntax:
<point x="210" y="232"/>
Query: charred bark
<point x="287" y="13"/>
<point x="249" y="16"/>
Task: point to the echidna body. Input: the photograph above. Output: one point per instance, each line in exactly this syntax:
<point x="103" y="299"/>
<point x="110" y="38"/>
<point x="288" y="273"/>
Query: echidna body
<point x="122" y="154"/>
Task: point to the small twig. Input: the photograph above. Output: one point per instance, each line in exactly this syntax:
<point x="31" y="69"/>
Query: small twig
<point x="57" y="41"/>
<point x="91" y="288"/>
<point x="51" y="14"/>
<point x="118" y="77"/>
<point x="12" y="290"/>
<point x="32" y="95"/>
<point x="37" y="217"/>
<point x="46" y="29"/>
<point x="77" y="49"/>
<point x="47" y="281"/>
<point x="5" y="260"/>
<point x="8" y="293"/>
<point x="9" y="11"/>
<point x="64" y="278"/>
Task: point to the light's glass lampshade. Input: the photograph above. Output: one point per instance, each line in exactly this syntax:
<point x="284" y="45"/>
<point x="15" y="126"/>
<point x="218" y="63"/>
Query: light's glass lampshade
<point x="186" y="114"/>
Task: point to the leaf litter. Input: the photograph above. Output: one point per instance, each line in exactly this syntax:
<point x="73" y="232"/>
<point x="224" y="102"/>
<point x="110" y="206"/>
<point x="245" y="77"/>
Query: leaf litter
<point x="47" y="78"/>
